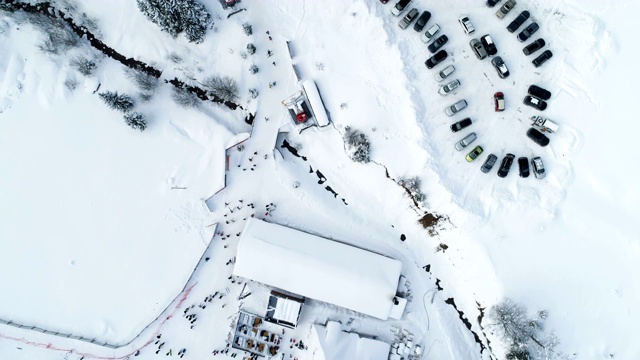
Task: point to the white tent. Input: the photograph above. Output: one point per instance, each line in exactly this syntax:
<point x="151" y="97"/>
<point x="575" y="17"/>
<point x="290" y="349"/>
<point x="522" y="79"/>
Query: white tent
<point x="335" y="344"/>
<point x="317" y="268"/>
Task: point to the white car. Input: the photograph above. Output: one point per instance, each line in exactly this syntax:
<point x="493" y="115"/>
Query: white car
<point x="445" y="73"/>
<point x="450" y="87"/>
<point x="466" y="24"/>
<point x="430" y="33"/>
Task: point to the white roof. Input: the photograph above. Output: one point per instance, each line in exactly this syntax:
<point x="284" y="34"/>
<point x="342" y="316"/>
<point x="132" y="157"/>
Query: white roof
<point x="317" y="268"/>
<point x="339" y="345"/>
<point x="287" y="310"/>
<point x="315" y="100"/>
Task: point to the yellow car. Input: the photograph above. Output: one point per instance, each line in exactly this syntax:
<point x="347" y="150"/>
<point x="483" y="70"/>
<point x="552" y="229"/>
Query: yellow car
<point x="474" y="154"/>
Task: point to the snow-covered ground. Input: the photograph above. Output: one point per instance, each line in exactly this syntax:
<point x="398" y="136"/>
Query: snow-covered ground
<point x="96" y="242"/>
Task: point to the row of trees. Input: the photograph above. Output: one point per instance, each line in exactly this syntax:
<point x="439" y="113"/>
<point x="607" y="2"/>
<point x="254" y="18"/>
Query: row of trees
<point x="124" y="103"/>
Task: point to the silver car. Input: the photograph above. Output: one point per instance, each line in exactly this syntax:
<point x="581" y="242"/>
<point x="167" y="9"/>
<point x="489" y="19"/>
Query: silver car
<point x="466" y="141"/>
<point x="408" y="19"/>
<point x="538" y="167"/>
<point x="445" y="73"/>
<point x="448" y="88"/>
<point x="478" y="49"/>
<point x="455" y="108"/>
<point x="430" y="33"/>
<point x="504" y="10"/>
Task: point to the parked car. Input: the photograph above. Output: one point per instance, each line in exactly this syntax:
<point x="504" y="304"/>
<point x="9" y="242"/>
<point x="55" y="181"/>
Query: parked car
<point x="523" y="164"/>
<point x="474" y="153"/>
<point x="500" y="67"/>
<point x="456" y="108"/>
<point x="537" y="91"/>
<point x="538" y="167"/>
<point x="489" y="45"/>
<point x="505" y="166"/>
<point x="436" y="59"/>
<point x="518" y="21"/>
<point x="506" y="8"/>
<point x="544" y="124"/>
<point x="534" y="46"/>
<point x="542" y="58"/>
<point x="446" y="89"/>
<point x="538" y="137"/>
<point x="488" y="164"/>
<point x="422" y="21"/>
<point x="492" y="3"/>
<point x="498" y="98"/>
<point x="444" y="73"/>
<point x="430" y="33"/>
<point x="478" y="49"/>
<point x="408" y="19"/>
<point x="466" y="141"/>
<point x="400" y="6"/>
<point x="438" y="43"/>
<point x="466" y="24"/>
<point x="455" y="127"/>
<point x="534" y="102"/>
<point x="528" y="32"/>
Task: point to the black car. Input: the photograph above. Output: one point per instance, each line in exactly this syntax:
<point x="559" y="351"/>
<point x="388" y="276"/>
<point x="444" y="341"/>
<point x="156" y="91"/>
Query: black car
<point x="489" y="45"/>
<point x="534" y="102"/>
<point x="492" y="3"/>
<point x="538" y="137"/>
<point x="438" y="43"/>
<point x="528" y="31"/>
<point x="542" y="58"/>
<point x="523" y="164"/>
<point x="518" y="21"/>
<point x="500" y="67"/>
<point x="436" y="59"/>
<point x="505" y="166"/>
<point x="534" y="46"/>
<point x="422" y="21"/>
<point x="460" y="125"/>
<point x="537" y="91"/>
<point x="488" y="164"/>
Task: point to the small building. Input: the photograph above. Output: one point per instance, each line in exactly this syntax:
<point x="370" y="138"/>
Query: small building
<point x="252" y="336"/>
<point x="337" y="344"/>
<point x="284" y="309"/>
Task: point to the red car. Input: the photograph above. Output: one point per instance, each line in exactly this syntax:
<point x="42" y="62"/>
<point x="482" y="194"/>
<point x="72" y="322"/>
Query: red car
<point x="499" y="101"/>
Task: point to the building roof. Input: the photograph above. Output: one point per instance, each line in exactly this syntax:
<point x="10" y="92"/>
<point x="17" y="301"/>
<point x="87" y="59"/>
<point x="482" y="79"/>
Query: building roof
<point x="287" y="310"/>
<point x="317" y="268"/>
<point x="340" y="345"/>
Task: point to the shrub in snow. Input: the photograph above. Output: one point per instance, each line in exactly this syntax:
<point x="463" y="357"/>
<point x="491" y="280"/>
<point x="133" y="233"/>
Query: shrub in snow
<point x="122" y="103"/>
<point x="84" y="66"/>
<point x="248" y="29"/>
<point x="253" y="93"/>
<point x="251" y="49"/>
<point x="413" y="185"/>
<point x="71" y="83"/>
<point x="136" y="121"/>
<point x="253" y="69"/>
<point x="357" y="145"/>
<point x="175" y="58"/>
<point x="222" y="87"/>
<point x="145" y="82"/>
<point x="184" y="98"/>
<point x="177" y="16"/>
<point x="58" y="35"/>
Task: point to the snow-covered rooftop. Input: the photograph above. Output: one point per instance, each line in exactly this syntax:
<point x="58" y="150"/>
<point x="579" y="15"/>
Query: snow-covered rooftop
<point x="317" y="268"/>
<point x="339" y="345"/>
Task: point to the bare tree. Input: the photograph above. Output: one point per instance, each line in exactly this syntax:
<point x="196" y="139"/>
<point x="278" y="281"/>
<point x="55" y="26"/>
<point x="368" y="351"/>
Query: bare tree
<point x="184" y="98"/>
<point x="222" y="87"/>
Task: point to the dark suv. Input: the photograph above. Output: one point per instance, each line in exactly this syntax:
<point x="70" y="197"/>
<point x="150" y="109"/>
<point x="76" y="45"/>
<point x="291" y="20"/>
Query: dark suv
<point x="506" y="165"/>
<point x="542" y="58"/>
<point x="438" y="43"/>
<point x="523" y="164"/>
<point x="534" y="102"/>
<point x="422" y="21"/>
<point x="528" y="31"/>
<point x="518" y="21"/>
<point x="534" y="46"/>
<point x="538" y="137"/>
<point x="436" y="59"/>
<point x="460" y="125"/>
<point x="539" y="92"/>
<point x="489" y="45"/>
